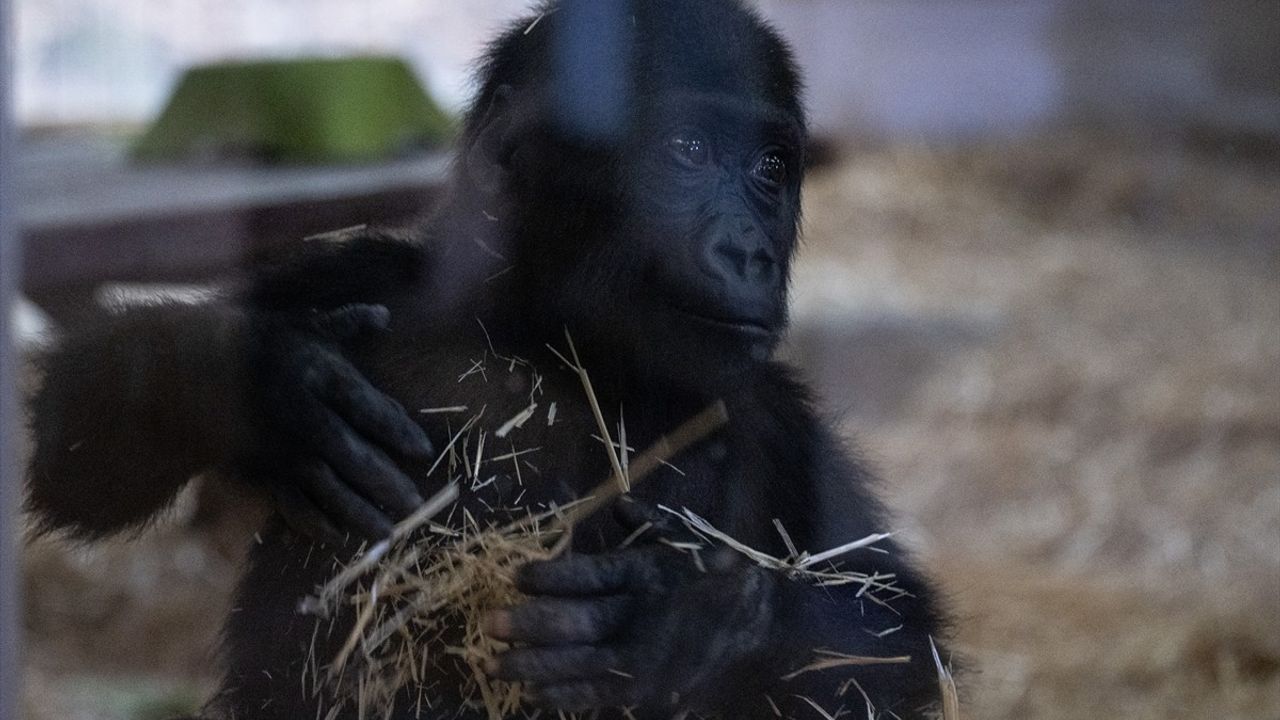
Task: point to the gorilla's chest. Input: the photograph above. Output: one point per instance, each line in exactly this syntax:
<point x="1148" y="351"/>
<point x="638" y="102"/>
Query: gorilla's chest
<point x="520" y="437"/>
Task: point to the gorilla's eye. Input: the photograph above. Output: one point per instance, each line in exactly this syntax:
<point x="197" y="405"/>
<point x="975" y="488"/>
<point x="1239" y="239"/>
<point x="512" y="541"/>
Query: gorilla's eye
<point x="689" y="148"/>
<point x="772" y="169"/>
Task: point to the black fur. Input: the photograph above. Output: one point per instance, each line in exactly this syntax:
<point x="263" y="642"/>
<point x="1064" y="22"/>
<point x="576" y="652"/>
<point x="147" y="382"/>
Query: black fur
<point x="668" y="268"/>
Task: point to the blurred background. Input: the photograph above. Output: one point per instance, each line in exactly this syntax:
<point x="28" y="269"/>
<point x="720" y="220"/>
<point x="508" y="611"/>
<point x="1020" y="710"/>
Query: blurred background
<point x="1040" y="286"/>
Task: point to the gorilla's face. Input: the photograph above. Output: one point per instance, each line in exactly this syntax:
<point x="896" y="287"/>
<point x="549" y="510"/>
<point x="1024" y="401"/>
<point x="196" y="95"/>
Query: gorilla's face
<point x="694" y="279"/>
<point x="675" y="244"/>
<point x="715" y="203"/>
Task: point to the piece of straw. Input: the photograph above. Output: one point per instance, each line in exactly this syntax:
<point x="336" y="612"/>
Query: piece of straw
<point x="947" y="685"/>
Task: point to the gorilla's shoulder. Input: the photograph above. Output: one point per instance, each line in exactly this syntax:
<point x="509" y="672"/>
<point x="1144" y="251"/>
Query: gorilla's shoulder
<point x="357" y="265"/>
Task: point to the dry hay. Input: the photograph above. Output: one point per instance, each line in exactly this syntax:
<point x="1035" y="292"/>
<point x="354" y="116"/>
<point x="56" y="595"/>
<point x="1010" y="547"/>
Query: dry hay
<point x="430" y="579"/>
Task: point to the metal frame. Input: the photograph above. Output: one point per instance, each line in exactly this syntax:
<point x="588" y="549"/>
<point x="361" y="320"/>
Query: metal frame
<point x="10" y="476"/>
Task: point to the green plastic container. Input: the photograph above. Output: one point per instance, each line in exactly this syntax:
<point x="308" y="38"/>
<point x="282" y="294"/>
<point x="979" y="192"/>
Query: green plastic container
<point x="297" y="111"/>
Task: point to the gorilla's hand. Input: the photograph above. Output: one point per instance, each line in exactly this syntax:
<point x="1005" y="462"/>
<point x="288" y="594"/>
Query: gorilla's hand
<point x="321" y="437"/>
<point x="642" y="627"/>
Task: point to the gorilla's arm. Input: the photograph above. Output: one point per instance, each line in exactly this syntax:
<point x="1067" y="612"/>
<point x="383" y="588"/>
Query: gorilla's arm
<point x="648" y="626"/>
<point x="825" y="498"/>
<point x="850" y="619"/>
<point x="258" y="386"/>
<point x="127" y="412"/>
<point x="361" y="265"/>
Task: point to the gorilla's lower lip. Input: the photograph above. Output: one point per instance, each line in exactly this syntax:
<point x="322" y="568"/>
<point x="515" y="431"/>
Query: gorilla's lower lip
<point x="744" y="326"/>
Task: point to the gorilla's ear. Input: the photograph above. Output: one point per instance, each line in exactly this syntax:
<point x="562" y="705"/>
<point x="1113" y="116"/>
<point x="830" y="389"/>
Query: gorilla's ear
<point x="490" y="152"/>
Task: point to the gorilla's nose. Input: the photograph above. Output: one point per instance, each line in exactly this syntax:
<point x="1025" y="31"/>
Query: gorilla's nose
<point x="744" y="262"/>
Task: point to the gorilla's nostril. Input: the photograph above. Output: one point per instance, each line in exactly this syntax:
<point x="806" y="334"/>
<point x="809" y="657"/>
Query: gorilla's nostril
<point x="733" y="257"/>
<point x="763" y="266"/>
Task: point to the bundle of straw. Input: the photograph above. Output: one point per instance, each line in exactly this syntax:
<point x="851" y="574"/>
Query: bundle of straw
<point x="419" y="597"/>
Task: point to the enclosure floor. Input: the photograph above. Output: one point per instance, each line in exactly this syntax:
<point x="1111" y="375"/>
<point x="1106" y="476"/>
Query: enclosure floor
<point x="1061" y="355"/>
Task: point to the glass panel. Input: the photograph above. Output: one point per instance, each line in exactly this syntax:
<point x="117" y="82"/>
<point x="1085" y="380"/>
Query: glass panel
<point x="295" y="270"/>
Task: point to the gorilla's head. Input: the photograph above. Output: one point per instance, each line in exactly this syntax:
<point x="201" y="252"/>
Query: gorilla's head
<point x="645" y="162"/>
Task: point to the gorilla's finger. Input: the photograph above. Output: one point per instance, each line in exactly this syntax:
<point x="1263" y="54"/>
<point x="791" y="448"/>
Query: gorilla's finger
<point x="584" y="695"/>
<point x="345" y="505"/>
<point x="558" y="621"/>
<point x="351" y="321"/>
<point x="364" y="467"/>
<point x="647" y="521"/>
<point x="553" y="665"/>
<point x="575" y="575"/>
<point x="302" y="515"/>
<point x="376" y="415"/>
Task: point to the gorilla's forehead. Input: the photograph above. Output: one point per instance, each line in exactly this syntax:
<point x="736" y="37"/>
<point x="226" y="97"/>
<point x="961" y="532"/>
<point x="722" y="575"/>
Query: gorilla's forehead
<point x="716" y="108"/>
<point x="754" y="65"/>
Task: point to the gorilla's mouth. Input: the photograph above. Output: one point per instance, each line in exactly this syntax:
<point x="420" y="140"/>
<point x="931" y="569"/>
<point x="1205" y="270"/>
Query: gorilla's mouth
<point x="752" y="327"/>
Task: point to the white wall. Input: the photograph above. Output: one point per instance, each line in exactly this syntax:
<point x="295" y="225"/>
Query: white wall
<point x="917" y="67"/>
<point x="976" y="67"/>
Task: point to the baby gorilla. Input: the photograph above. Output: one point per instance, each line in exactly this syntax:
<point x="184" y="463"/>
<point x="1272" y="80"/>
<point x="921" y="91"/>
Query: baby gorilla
<point x="657" y="227"/>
